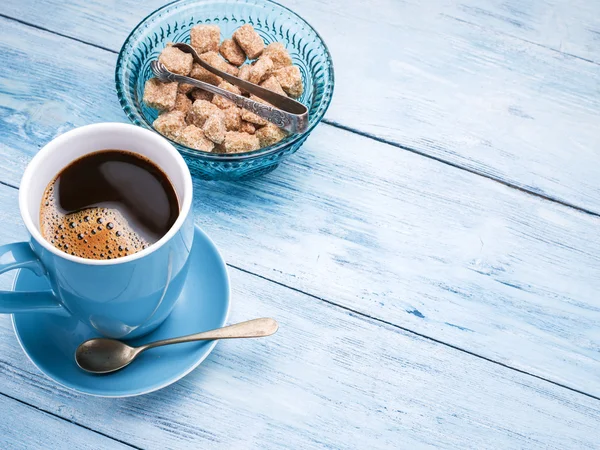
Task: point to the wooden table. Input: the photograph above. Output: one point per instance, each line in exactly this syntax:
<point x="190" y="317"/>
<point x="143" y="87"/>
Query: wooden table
<point x="432" y="252"/>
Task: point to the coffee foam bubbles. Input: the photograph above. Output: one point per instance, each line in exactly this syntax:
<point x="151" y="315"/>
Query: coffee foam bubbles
<point x="93" y="233"/>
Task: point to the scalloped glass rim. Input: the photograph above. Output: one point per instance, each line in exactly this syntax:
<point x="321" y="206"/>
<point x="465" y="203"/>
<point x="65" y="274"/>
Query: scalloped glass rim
<point x="193" y="153"/>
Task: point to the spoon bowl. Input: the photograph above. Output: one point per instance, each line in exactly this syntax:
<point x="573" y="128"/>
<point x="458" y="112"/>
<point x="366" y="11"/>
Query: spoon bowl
<point x="102" y="355"/>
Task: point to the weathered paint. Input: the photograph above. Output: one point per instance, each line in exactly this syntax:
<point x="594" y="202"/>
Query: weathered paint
<point x="376" y="230"/>
<point x="23" y="426"/>
<point x="403" y="241"/>
<point x="507" y="89"/>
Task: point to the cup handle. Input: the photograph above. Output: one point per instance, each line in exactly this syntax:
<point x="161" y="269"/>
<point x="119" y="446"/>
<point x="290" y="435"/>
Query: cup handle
<point x="20" y="256"/>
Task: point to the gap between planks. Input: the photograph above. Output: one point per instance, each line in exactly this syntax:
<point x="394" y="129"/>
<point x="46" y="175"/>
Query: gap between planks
<point x="43" y="411"/>
<point x="372" y="136"/>
<point x="399" y="327"/>
<point x="3" y="183"/>
<point x="456" y="166"/>
<point x="591" y="61"/>
<point x="38" y="27"/>
<point x="416" y="333"/>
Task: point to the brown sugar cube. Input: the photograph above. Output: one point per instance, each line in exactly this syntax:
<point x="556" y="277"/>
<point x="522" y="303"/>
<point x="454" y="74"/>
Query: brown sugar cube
<point x="160" y="95"/>
<point x="201" y="110"/>
<point x="278" y="54"/>
<point x="272" y="84"/>
<point x="247" y="127"/>
<point x="249" y="40"/>
<point x="185" y="88"/>
<point x="193" y="137"/>
<point x="269" y="134"/>
<point x="230" y="87"/>
<point x="251" y="117"/>
<point x="205" y="38"/>
<point x="236" y="142"/>
<point x="232" y="52"/>
<point x="261" y="69"/>
<point x="219" y="149"/>
<point x="233" y="118"/>
<point x="176" y="61"/>
<point x="201" y="94"/>
<point x="170" y="123"/>
<point x="217" y="62"/>
<point x="244" y="72"/>
<point x="214" y="128"/>
<point x="182" y="103"/>
<point x="290" y="80"/>
<point x="200" y="73"/>
<point x="222" y="102"/>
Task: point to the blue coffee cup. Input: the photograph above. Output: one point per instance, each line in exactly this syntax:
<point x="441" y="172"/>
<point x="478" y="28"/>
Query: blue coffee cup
<point x="120" y="298"/>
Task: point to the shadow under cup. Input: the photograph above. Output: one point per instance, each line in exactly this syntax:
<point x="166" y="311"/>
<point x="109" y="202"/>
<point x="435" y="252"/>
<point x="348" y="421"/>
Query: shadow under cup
<point x="129" y="296"/>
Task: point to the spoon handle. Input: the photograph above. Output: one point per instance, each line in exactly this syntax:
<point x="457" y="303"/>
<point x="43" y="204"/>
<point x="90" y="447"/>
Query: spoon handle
<point x="249" y="329"/>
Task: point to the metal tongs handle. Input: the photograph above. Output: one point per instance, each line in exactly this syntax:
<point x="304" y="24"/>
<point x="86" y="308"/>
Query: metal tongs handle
<point x="286" y="113"/>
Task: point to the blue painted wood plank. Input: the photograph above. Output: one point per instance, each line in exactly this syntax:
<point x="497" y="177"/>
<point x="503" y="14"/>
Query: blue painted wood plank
<point x="26" y="427"/>
<point x="393" y="235"/>
<point x="327" y="379"/>
<point x="567" y="26"/>
<point x="439" y="78"/>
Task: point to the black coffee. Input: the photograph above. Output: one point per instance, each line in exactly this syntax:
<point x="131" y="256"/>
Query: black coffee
<point x="108" y="204"/>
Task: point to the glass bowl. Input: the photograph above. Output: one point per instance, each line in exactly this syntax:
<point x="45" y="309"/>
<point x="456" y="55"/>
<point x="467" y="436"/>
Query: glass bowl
<point x="172" y="23"/>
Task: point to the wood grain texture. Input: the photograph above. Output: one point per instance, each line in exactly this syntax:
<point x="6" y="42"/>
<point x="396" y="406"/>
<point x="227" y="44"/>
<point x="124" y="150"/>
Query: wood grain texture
<point x="453" y="80"/>
<point x="327" y="379"/>
<point x="567" y="26"/>
<point x="27" y="428"/>
<point x="393" y="235"/>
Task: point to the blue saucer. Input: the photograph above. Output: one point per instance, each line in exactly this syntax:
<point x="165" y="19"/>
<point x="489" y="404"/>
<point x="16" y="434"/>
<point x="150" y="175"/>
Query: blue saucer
<point x="50" y="340"/>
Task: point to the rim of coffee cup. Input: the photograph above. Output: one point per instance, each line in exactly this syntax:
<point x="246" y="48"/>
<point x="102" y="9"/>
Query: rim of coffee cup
<point x="185" y="197"/>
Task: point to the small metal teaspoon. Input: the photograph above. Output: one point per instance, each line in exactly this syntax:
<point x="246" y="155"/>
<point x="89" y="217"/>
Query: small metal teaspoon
<point x="103" y="355"/>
